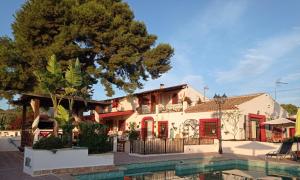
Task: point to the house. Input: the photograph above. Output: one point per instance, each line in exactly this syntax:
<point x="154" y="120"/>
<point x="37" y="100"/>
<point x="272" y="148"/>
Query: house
<point x="180" y="112"/>
<point x="242" y="117"/>
<point x="149" y="110"/>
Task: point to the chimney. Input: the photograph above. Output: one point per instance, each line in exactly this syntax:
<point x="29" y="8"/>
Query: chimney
<point x="162" y="86"/>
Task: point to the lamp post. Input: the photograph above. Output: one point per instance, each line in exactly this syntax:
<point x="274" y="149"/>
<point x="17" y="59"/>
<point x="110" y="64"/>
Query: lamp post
<point x="220" y="100"/>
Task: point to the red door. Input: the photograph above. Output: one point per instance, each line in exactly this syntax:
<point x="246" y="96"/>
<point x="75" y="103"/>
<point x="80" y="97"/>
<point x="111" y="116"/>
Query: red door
<point x="144" y="131"/>
<point x="262" y="131"/>
<point x="163" y="129"/>
<point x="121" y="125"/>
<point x="292" y="132"/>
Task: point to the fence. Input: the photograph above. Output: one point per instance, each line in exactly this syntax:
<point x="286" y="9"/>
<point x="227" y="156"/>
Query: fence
<point x="157" y="146"/>
<point x="198" y="141"/>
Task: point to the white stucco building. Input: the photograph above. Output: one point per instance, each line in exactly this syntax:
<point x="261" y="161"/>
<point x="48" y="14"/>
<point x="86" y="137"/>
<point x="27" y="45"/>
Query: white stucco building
<point x="180" y="112"/>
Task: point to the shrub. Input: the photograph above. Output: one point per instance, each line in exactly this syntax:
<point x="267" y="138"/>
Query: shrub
<point x="133" y="135"/>
<point x="67" y="134"/>
<point x="293" y="139"/>
<point x="48" y="143"/>
<point x="94" y="137"/>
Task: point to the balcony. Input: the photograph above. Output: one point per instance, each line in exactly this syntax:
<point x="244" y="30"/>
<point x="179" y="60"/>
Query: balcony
<point x="146" y="109"/>
<point x="170" y="108"/>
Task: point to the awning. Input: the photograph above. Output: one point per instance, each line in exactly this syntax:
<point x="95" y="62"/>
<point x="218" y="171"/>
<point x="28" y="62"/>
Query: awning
<point x="115" y="114"/>
<point x="280" y="122"/>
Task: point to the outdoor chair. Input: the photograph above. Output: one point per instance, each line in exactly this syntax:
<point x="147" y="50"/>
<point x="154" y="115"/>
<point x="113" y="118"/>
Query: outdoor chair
<point x="284" y="150"/>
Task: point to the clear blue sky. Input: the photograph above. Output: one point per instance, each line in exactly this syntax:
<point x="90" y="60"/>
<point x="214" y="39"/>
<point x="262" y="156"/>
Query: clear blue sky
<point x="233" y="47"/>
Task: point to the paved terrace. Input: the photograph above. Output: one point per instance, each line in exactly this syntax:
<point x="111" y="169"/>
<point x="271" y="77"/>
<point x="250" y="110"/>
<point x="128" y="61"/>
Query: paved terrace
<point x="11" y="163"/>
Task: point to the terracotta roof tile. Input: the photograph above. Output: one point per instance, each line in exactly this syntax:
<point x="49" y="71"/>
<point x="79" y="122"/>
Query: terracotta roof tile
<point x="230" y="103"/>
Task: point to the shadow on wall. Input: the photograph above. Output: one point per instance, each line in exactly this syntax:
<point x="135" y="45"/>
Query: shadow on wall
<point x="255" y="146"/>
<point x="131" y="99"/>
<point x="278" y="111"/>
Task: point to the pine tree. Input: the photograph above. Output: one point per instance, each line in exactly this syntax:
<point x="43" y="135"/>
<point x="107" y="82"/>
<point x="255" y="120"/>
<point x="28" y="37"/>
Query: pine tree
<point x="113" y="47"/>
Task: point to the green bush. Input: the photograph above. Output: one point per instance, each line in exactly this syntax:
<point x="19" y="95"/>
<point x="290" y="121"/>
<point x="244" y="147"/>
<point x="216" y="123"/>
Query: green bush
<point x="48" y="143"/>
<point x="94" y="137"/>
<point x="67" y="134"/>
<point x="133" y="135"/>
<point x="293" y="139"/>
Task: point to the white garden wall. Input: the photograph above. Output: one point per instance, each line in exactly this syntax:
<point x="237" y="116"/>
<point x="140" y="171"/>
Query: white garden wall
<point x="249" y="148"/>
<point x="40" y="160"/>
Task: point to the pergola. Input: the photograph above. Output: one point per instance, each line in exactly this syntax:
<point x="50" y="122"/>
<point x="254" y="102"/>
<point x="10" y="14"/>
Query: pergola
<point x="36" y="101"/>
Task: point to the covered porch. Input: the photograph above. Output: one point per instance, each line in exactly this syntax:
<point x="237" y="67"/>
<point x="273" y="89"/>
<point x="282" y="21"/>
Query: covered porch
<point x="38" y="116"/>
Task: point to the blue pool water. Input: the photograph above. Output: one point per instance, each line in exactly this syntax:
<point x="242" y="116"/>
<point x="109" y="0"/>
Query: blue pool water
<point x="201" y="170"/>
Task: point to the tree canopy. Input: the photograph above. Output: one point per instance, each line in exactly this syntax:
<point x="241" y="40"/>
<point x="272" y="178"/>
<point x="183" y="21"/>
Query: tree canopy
<point x="113" y="47"/>
<point x="290" y="108"/>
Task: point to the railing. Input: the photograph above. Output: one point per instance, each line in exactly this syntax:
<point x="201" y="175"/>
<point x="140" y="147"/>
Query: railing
<point x="146" y="109"/>
<point x="121" y="146"/>
<point x="157" y="146"/>
<point x="170" y="108"/>
<point x="198" y="141"/>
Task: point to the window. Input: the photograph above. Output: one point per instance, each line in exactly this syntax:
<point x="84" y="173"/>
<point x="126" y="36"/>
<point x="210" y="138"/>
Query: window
<point x="210" y="129"/>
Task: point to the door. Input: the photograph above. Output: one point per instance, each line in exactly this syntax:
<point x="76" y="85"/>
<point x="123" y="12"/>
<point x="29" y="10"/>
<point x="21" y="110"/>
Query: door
<point x="147" y="127"/>
<point x="149" y="124"/>
<point x="163" y="129"/>
<point x="253" y="130"/>
<point x="121" y="125"/>
<point x="257" y="129"/>
<point x="291" y="132"/>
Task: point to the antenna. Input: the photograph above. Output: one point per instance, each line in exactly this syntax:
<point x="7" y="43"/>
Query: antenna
<point x="204" y="90"/>
<point x="278" y="82"/>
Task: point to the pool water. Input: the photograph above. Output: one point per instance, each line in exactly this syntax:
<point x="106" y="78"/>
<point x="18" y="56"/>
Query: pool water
<point x="200" y="170"/>
<point x="234" y="174"/>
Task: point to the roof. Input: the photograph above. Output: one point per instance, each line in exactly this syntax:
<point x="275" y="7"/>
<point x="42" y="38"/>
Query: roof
<point x="47" y="102"/>
<point x="166" y="89"/>
<point x="118" y="113"/>
<point x="109" y="115"/>
<point x="230" y="103"/>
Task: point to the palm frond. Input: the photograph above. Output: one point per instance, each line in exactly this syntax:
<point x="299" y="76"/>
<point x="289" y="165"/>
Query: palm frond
<point x="73" y="75"/>
<point x="53" y="66"/>
<point x="62" y="114"/>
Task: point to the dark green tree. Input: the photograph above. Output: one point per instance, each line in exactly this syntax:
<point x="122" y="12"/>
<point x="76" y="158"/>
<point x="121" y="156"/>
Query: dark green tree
<point x="113" y="47"/>
<point x="290" y="108"/>
<point x="14" y="72"/>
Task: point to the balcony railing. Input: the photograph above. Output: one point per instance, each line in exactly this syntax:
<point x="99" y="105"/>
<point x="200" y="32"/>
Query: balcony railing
<point x="146" y="109"/>
<point x="170" y="108"/>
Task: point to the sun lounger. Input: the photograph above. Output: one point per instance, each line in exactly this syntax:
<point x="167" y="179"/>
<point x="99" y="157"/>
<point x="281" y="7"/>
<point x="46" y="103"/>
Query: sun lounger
<point x="283" y="151"/>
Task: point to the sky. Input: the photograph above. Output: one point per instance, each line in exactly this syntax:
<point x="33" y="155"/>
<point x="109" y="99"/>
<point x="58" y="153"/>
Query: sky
<point x="233" y="47"/>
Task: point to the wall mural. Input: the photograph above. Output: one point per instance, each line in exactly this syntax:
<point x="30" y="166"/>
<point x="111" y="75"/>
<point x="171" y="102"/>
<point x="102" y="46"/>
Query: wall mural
<point x="190" y="128"/>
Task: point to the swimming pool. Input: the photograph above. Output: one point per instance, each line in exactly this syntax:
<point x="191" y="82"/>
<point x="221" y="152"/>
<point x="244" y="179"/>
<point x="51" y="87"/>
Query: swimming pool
<point x="201" y="169"/>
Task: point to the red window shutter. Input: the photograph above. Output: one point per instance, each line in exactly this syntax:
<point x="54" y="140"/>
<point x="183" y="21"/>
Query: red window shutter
<point x="115" y="103"/>
<point x="175" y="99"/>
<point x="201" y="128"/>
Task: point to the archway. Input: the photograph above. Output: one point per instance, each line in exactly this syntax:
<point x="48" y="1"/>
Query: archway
<point x="147" y="127"/>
